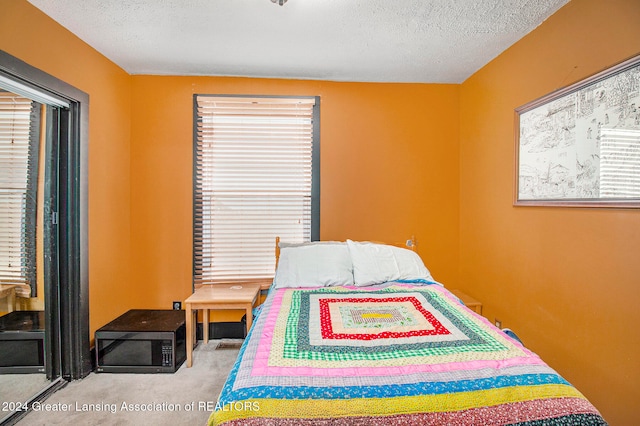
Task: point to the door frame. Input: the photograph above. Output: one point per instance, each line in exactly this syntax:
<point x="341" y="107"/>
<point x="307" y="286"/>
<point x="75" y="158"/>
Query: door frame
<point x="70" y="300"/>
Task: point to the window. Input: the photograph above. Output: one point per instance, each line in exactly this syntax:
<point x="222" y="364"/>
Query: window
<point x="256" y="176"/>
<point x="19" y="153"/>
<point x="620" y="162"/>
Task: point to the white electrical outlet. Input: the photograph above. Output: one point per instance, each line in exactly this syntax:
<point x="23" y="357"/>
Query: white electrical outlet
<point x="498" y="323"/>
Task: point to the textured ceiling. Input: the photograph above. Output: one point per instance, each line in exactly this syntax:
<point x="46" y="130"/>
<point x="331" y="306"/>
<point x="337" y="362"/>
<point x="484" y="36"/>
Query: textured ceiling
<point x="432" y="41"/>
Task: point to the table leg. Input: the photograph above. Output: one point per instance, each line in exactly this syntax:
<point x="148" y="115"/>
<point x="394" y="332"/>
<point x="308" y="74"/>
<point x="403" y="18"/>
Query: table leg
<point x="11" y="300"/>
<point x="205" y="326"/>
<point x="249" y="317"/>
<point x="189" y="327"/>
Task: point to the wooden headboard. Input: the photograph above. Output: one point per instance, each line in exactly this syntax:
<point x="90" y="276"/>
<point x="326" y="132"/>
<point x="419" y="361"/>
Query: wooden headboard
<point x="410" y="244"/>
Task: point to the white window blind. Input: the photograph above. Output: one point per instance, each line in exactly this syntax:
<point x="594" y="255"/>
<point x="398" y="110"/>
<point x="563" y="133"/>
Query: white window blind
<point x="19" y="142"/>
<point x="619" y="163"/>
<point x="253" y="182"/>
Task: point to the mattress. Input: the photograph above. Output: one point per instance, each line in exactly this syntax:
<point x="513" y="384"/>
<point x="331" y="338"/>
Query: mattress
<point x="395" y="353"/>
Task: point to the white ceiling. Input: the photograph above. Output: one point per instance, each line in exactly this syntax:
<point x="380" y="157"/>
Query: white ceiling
<point x="431" y="41"/>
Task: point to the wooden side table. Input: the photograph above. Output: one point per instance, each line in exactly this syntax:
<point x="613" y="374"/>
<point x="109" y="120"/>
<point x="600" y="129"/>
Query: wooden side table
<point x="468" y="301"/>
<point x="218" y="296"/>
<point x="8" y="292"/>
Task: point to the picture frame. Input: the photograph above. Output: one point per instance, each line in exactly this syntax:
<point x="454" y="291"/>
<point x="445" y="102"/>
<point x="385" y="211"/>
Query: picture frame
<point x="580" y="145"/>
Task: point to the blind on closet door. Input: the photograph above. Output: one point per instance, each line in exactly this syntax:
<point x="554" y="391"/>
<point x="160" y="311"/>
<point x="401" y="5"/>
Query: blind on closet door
<point x="253" y="182"/>
<point x="19" y="143"/>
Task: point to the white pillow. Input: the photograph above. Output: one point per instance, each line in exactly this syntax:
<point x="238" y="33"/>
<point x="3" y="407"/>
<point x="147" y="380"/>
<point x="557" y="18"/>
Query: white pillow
<point x="314" y="265"/>
<point x="379" y="263"/>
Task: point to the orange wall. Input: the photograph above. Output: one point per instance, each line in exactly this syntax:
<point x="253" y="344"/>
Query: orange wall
<point x="384" y="174"/>
<point x="567" y="280"/>
<point x="31" y="36"/>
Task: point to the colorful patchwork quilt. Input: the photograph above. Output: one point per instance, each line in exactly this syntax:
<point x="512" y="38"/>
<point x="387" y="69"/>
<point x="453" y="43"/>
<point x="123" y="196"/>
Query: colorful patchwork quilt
<point x="393" y="354"/>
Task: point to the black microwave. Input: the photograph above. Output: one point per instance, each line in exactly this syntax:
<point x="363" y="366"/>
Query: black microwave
<point x="142" y="341"/>
<point x="22" y="342"/>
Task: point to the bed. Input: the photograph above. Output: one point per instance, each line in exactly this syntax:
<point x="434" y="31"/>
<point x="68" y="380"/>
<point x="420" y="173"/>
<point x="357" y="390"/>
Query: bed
<point x="359" y="333"/>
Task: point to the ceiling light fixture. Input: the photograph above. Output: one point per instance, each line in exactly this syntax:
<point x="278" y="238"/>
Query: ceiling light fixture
<point x="280" y="2"/>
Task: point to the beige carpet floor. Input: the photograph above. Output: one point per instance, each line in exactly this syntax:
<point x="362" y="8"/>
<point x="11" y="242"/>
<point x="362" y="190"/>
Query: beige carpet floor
<point x="20" y="387"/>
<point x="186" y="397"/>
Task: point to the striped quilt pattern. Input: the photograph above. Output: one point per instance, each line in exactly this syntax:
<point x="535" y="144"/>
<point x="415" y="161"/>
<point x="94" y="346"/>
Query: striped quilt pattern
<point x="392" y="354"/>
